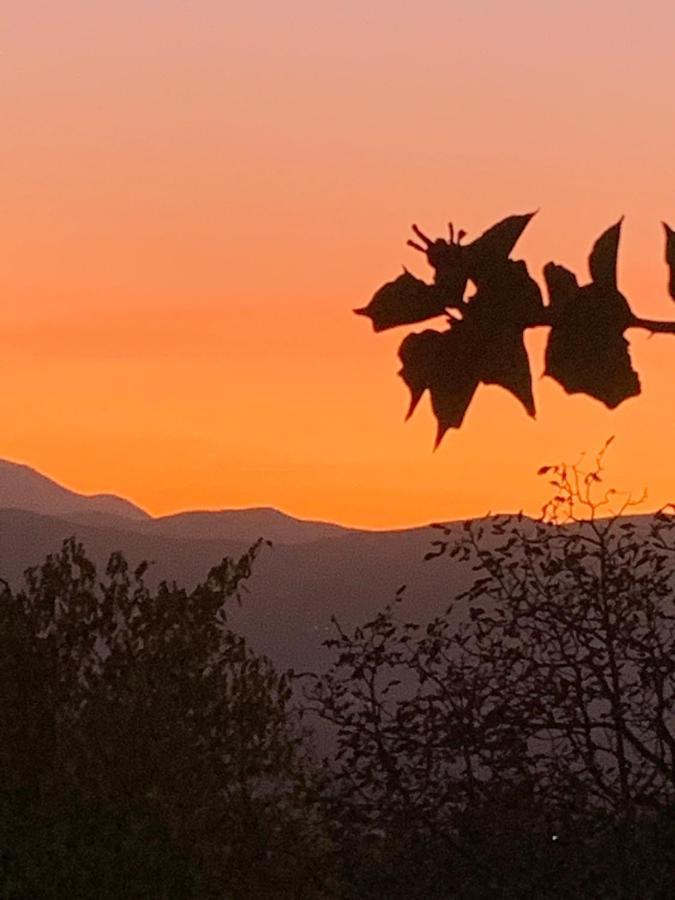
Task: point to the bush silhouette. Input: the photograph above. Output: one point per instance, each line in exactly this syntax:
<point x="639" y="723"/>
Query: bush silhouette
<point x="146" y="751"/>
<point x="523" y="743"/>
<point x="520" y="744"/>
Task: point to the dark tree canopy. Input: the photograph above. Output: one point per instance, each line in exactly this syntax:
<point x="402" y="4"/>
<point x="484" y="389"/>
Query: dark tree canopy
<point x="520" y="743"/>
<point x="146" y="750"/>
<point x="587" y="351"/>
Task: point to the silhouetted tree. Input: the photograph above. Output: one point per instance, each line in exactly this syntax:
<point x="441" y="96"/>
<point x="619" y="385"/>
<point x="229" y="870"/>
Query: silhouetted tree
<point x="586" y="352"/>
<point x="145" y="750"/>
<point x="522" y="744"/>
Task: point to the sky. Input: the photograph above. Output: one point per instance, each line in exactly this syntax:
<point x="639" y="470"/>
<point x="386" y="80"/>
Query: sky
<point x="196" y="195"/>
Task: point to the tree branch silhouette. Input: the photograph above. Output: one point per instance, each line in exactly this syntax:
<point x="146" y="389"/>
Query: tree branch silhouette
<point x="586" y="351"/>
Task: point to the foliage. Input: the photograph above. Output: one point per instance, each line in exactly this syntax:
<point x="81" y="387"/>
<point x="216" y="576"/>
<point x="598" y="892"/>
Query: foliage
<point x="520" y="744"/>
<point x="146" y="750"/>
<point x="586" y="351"/>
<point x="524" y="741"/>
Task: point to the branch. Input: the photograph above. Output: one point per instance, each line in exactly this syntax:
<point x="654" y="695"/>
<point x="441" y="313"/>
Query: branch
<point x="654" y="327"/>
<point x="547" y="319"/>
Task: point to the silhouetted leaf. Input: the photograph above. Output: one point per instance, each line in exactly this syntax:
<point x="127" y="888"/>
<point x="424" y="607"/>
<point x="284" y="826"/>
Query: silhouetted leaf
<point x="495" y="244"/>
<point x="602" y="261"/>
<point x="506" y="364"/>
<point x="445" y="364"/>
<point x="404" y="301"/>
<point x="587" y="352"/>
<point x="670" y="257"/>
<point x="419" y="354"/>
<point x="509" y="296"/>
<point x="496" y="318"/>
<point x="407" y="299"/>
<point x="562" y="286"/>
<point x="454" y="381"/>
<point x="485" y="346"/>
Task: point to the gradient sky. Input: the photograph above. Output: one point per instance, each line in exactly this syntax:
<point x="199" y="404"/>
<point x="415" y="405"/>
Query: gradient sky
<point x="195" y="195"/>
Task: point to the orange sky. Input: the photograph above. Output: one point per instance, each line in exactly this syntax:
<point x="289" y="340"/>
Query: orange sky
<point x="194" y="198"/>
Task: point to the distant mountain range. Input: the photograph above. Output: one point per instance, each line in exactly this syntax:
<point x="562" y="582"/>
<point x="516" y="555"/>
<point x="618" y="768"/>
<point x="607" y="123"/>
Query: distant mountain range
<point x="21" y="487"/>
<point x="312" y="571"/>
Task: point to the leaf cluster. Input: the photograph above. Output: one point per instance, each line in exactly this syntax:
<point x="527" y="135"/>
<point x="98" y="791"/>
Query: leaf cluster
<point x="587" y="351"/>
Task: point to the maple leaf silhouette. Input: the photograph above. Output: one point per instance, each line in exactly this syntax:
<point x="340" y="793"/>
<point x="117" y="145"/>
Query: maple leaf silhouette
<point x="603" y="258"/>
<point x="484" y="343"/>
<point x="404" y="301"/>
<point x="445" y="364"/>
<point x="562" y="287"/>
<point x="587" y="352"/>
<point x="497" y="316"/>
<point x="494" y="246"/>
<point x="485" y="346"/>
<point x="408" y="300"/>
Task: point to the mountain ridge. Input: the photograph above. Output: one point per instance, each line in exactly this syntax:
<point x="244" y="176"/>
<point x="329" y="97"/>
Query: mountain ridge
<point x="293" y="591"/>
<point x="296" y="587"/>
<point x="23" y="487"/>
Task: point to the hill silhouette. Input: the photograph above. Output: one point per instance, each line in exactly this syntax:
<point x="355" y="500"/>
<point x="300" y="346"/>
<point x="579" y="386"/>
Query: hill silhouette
<point x="22" y="487"/>
<point x="294" y="590"/>
<point x="313" y="571"/>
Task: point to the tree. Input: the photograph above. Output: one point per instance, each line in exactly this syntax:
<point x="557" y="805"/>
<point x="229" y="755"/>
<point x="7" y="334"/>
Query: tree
<point x="587" y="351"/>
<point x="145" y="750"/>
<point x="520" y="744"/>
<point x="525" y="740"/>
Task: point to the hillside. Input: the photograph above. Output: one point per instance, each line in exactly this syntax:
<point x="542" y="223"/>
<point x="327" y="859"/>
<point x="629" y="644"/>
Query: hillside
<point x="295" y="588"/>
<point x="22" y="487"/>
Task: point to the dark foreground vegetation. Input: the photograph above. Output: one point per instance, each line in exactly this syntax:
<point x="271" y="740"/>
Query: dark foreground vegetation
<point x="520" y="745"/>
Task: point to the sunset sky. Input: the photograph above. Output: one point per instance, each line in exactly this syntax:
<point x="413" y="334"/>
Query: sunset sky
<point x="195" y="196"/>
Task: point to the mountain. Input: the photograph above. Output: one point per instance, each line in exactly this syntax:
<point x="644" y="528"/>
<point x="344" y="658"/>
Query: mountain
<point x="244" y="524"/>
<point x="293" y="592"/>
<point x="314" y="570"/>
<point x="23" y="488"/>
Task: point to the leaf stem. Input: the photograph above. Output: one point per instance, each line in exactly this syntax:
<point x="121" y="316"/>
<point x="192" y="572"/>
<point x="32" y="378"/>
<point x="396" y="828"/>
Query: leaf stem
<point x="546" y="319"/>
<point x="653" y="326"/>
